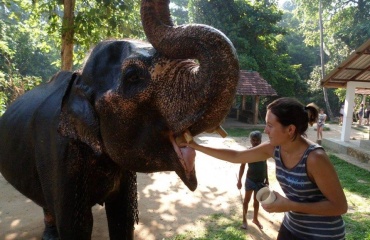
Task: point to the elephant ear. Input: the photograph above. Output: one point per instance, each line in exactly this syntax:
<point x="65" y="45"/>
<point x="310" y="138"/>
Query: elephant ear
<point x="78" y="119"/>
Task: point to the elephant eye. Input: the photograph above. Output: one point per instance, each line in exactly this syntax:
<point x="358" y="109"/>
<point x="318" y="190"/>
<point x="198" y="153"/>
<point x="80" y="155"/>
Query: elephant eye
<point x="132" y="75"/>
<point x="133" y="81"/>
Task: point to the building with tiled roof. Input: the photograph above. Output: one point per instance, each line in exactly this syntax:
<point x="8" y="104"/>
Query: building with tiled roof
<point x="252" y="84"/>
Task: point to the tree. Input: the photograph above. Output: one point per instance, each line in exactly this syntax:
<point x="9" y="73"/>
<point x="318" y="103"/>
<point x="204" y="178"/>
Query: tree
<point x="345" y="24"/>
<point x="34" y="33"/>
<point x="76" y="25"/>
<point x="68" y="34"/>
<point x="301" y="55"/>
<point x="344" y="20"/>
<point x="256" y="36"/>
<point x="22" y="63"/>
<point x="322" y="61"/>
<point x="179" y="11"/>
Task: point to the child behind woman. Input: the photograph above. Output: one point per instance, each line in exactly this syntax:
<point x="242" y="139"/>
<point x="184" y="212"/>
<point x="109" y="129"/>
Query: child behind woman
<point x="256" y="179"/>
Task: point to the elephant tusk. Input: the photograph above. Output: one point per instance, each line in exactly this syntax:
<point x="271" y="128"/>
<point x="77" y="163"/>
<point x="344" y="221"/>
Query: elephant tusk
<point x="221" y="131"/>
<point x="188" y="137"/>
<point x="185" y="137"/>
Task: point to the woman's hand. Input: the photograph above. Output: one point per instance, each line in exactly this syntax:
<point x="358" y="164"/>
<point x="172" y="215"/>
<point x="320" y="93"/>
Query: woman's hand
<point x="191" y="144"/>
<point x="279" y="205"/>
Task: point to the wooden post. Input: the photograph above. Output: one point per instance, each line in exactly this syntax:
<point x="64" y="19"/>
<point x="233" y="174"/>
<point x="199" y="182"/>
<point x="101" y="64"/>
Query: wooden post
<point x="256" y="103"/>
<point x="243" y="103"/>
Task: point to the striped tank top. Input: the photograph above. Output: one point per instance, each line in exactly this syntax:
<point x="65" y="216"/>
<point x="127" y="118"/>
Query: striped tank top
<point x="299" y="188"/>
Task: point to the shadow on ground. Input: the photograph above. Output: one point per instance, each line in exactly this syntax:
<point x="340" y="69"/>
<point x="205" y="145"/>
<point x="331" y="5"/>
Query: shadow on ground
<point x="167" y="208"/>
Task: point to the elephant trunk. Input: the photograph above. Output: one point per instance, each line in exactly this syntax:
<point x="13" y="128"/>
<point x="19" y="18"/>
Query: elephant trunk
<point x="203" y="90"/>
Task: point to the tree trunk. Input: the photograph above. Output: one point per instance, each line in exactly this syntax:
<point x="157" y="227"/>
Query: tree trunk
<point x="328" y="109"/>
<point x="67" y="35"/>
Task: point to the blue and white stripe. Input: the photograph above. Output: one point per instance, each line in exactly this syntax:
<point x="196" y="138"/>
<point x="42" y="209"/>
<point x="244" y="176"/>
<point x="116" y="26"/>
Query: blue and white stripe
<point x="299" y="188"/>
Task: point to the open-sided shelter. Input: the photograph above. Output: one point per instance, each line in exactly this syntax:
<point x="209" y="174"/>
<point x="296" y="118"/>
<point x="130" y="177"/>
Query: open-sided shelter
<point x="354" y="75"/>
<point x="252" y="84"/>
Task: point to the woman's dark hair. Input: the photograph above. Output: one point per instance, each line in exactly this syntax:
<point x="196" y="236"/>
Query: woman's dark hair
<point x="291" y="111"/>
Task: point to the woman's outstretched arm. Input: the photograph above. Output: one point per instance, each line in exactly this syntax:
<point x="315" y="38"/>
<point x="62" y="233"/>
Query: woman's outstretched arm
<point x="258" y="153"/>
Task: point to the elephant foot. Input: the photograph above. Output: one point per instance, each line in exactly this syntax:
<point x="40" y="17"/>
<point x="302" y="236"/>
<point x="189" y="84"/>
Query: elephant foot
<point x="50" y="233"/>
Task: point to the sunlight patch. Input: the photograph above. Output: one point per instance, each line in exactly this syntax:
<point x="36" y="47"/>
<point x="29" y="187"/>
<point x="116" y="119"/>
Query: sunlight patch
<point x="15" y="223"/>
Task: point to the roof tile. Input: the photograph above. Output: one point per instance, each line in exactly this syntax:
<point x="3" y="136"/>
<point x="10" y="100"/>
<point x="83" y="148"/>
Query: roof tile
<point x="251" y="83"/>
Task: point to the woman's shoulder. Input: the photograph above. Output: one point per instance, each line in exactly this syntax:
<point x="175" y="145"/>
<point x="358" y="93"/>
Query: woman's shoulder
<point x="317" y="156"/>
<point x="267" y="148"/>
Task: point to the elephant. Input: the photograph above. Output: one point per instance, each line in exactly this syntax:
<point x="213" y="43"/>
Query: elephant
<point x="80" y="138"/>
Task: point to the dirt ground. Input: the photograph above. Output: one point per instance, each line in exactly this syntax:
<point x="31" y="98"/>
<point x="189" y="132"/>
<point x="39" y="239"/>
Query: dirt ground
<point x="167" y="208"/>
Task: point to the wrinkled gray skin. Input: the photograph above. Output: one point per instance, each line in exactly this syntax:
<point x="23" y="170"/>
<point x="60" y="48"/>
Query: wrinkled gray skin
<point x="79" y="139"/>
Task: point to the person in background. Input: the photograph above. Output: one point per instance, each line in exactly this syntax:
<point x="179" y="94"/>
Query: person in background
<point x="360" y="114"/>
<point x="320" y="124"/>
<point x="314" y="199"/>
<point x="366" y="115"/>
<point x="354" y="115"/>
<point x="341" y="113"/>
<point x="256" y="179"/>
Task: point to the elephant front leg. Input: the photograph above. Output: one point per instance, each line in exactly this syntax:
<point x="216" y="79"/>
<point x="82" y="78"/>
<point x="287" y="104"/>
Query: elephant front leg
<point x="50" y="231"/>
<point x="72" y="210"/>
<point x="120" y="227"/>
<point x="121" y="209"/>
<point x="75" y="224"/>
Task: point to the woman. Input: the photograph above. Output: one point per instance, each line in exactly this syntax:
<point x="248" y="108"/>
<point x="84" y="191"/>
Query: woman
<point x="341" y="113"/>
<point x="360" y="114"/>
<point x="314" y="199"/>
<point x="320" y="124"/>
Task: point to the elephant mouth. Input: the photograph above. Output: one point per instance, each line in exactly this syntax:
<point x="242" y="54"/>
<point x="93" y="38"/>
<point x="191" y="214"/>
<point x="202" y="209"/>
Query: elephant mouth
<point x="186" y="155"/>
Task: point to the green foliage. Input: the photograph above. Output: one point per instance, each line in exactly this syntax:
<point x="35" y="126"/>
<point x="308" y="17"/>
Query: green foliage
<point x="23" y="62"/>
<point x="2" y="103"/>
<point x="353" y="178"/>
<point x="179" y="11"/>
<point x="14" y="85"/>
<point x="354" y="17"/>
<point x="30" y="37"/>
<point x="341" y="94"/>
<point x="357" y="225"/>
<point x="282" y="48"/>
<point x="355" y="182"/>
<point x="256" y="36"/>
<point x="301" y="55"/>
<point x="344" y="30"/>
<point x="3" y="97"/>
<point x="219" y="227"/>
<point x="94" y="21"/>
<point x="346" y="26"/>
